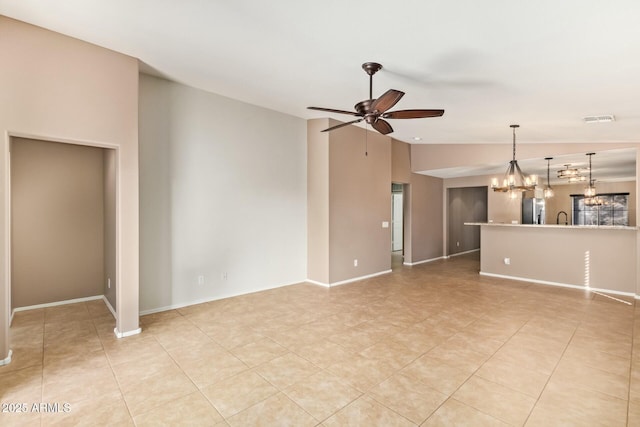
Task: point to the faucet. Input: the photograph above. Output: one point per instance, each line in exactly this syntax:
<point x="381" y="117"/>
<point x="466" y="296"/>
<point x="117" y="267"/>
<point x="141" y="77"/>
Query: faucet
<point x="566" y="218"/>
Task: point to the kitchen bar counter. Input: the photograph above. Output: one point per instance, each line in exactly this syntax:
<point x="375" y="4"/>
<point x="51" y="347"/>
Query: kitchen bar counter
<point x="603" y="258"/>
<point x="590" y="227"/>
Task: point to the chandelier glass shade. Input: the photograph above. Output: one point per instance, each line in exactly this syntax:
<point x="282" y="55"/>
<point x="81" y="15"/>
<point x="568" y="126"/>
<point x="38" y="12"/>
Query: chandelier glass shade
<point x="514" y="181"/>
<point x="590" y="195"/>
<point x="580" y="178"/>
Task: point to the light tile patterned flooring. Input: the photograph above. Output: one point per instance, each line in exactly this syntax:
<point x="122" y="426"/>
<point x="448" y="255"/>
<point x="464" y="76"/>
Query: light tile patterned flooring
<point x="431" y="345"/>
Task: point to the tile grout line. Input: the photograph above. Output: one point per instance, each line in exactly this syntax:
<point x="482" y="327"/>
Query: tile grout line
<point x="633" y="336"/>
<point x="118" y="382"/>
<point x="554" y="368"/>
<point x="198" y="390"/>
<point x="474" y="372"/>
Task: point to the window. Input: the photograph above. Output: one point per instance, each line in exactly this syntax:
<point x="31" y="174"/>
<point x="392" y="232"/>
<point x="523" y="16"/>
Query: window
<point x="612" y="211"/>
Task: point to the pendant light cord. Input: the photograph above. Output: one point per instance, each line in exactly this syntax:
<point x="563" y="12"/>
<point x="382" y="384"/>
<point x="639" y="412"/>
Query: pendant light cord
<point x="514" y="143"/>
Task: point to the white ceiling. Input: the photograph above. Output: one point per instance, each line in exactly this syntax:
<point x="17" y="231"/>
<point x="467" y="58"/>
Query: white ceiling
<point x="608" y="165"/>
<point x="544" y="64"/>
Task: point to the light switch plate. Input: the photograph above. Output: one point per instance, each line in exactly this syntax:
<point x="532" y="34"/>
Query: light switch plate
<point x="385" y="224"/>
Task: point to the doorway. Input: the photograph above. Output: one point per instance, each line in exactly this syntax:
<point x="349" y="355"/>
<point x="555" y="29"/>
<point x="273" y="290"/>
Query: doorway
<point x="63" y="223"/>
<point x="465" y="204"/>
<point x="397" y="225"/>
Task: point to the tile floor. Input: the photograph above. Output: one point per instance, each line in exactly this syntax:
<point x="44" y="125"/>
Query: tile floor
<point x="430" y="345"/>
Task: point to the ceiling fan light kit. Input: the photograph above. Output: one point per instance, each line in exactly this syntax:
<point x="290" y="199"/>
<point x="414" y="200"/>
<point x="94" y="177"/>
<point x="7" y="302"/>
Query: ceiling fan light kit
<point x="375" y="111"/>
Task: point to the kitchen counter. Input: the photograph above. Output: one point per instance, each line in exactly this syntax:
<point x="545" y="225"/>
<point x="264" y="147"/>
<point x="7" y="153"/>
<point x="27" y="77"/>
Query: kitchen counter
<point x="587" y="227"/>
<point x="597" y="258"/>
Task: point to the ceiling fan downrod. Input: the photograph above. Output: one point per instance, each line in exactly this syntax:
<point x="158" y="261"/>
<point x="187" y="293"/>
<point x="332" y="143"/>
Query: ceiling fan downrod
<point x="371" y="68"/>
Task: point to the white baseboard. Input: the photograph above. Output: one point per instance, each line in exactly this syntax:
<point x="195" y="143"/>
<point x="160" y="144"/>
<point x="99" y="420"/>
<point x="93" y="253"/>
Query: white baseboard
<point x="562" y="285"/>
<point x="410" y="264"/>
<point x="464" y="253"/>
<point x="126" y="334"/>
<point x="344" y="282"/>
<point x="6" y="360"/>
<point x="210" y="299"/>
<point x="53" y="304"/>
<point x="110" y="307"/>
<point x="315" y="282"/>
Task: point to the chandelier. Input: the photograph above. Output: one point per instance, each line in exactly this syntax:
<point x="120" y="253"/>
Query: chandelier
<point x="548" y="191"/>
<point x="572" y="174"/>
<point x="568" y="172"/>
<point x="590" y="196"/>
<point x="514" y="181"/>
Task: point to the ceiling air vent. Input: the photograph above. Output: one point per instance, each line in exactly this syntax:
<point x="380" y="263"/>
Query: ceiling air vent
<point x="599" y="119"/>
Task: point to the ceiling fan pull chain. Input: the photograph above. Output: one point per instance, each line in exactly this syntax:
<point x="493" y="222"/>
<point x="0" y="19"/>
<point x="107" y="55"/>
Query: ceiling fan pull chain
<point x="366" y="140"/>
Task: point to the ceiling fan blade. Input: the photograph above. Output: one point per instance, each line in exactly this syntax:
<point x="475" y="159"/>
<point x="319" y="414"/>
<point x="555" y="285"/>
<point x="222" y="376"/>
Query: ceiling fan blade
<point x="387" y="100"/>
<point x="341" y="125"/>
<point x="412" y="114"/>
<point x="331" y="110"/>
<point x="382" y="126"/>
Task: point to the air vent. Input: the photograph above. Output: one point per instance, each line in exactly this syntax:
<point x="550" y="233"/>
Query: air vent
<point x="599" y="119"/>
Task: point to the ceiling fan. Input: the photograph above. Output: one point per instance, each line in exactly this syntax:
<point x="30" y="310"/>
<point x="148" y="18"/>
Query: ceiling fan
<point x="374" y="111"/>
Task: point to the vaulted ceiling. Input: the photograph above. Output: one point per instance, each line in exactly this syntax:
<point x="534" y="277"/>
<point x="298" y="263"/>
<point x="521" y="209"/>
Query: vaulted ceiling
<point x="544" y="65"/>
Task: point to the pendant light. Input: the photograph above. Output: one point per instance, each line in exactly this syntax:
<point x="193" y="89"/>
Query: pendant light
<point x="590" y="196"/>
<point x="548" y="191"/>
<point x="568" y="172"/>
<point x="514" y="182"/>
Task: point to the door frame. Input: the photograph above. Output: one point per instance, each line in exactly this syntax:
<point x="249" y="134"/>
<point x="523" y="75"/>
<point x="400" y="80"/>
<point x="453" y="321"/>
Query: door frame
<point x="8" y="208"/>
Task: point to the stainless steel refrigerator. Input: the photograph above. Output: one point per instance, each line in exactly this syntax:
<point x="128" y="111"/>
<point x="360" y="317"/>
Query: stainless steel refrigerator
<point x="533" y="211"/>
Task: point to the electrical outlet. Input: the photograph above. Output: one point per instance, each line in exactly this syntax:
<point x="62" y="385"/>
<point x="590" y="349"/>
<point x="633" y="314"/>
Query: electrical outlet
<point x="223" y="276"/>
<point x="355" y="262"/>
<point x="201" y="280"/>
<point x="458" y="244"/>
<point x="109" y="283"/>
<point x="507" y="261"/>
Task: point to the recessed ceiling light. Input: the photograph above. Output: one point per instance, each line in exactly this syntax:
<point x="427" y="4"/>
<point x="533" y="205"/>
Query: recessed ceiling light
<point x="417" y="138"/>
<point x="605" y="118"/>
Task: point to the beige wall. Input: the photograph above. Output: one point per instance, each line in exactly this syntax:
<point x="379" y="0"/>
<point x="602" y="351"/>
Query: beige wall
<point x="423" y="238"/>
<point x="349" y="197"/>
<point x="318" y="201"/>
<point x="500" y="208"/>
<point x="222" y="212"/>
<point x="57" y="222"/>
<point x="401" y="174"/>
<point x="58" y="88"/>
<point x="427" y="218"/>
<point x="110" y="277"/>
<point x="556" y="254"/>
<point x="359" y="201"/>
